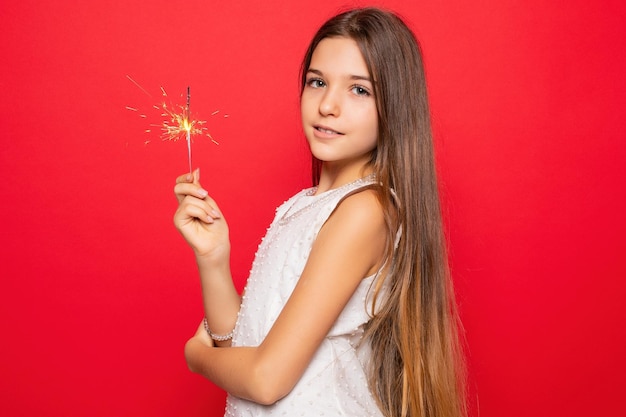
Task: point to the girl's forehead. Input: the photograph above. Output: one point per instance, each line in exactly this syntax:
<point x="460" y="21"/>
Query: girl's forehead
<point x="338" y="54"/>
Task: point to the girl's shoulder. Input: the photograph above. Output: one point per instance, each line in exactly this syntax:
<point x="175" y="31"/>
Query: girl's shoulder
<point x="362" y="199"/>
<point x="357" y="231"/>
<point x="361" y="207"/>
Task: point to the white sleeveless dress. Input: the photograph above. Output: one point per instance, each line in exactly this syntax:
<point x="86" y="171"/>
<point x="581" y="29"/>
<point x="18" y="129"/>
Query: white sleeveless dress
<point x="335" y="382"/>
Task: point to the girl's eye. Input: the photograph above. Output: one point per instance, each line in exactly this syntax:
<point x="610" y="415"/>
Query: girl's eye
<point x="315" y="83"/>
<point x="361" y="91"/>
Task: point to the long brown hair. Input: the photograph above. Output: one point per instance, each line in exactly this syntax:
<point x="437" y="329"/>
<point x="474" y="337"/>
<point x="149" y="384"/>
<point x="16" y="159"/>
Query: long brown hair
<point x="416" y="367"/>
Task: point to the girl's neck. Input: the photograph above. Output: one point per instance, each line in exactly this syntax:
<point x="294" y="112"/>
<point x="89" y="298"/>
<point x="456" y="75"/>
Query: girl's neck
<point x="333" y="176"/>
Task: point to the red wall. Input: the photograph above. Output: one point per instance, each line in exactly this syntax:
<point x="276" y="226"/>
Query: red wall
<point x="98" y="292"/>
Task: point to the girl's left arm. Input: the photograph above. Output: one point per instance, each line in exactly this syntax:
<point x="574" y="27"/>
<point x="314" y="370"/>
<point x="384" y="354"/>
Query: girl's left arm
<point x="349" y="247"/>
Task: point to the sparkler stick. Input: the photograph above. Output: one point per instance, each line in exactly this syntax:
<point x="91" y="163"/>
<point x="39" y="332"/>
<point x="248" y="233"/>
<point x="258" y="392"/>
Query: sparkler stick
<point x="188" y="127"/>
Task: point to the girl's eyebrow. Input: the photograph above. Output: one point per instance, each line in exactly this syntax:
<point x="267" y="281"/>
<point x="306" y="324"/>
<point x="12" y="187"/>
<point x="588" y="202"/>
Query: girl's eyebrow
<point x="351" y="77"/>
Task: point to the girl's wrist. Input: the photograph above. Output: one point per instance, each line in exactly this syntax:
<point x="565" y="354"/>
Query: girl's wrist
<point x="212" y="268"/>
<point x="213" y="258"/>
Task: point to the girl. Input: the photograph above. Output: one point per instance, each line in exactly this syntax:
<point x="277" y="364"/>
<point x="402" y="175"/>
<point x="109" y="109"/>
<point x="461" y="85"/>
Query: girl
<point x="348" y="310"/>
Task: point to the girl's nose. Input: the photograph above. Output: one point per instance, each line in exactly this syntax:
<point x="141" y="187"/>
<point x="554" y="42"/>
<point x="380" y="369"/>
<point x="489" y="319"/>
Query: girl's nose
<point x="329" y="106"/>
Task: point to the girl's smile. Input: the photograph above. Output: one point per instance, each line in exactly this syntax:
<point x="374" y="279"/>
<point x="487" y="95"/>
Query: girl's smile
<point x="324" y="131"/>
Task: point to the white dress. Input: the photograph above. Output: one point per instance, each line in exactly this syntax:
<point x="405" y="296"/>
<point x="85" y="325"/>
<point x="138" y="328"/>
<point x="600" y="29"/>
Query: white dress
<point x="335" y="382"/>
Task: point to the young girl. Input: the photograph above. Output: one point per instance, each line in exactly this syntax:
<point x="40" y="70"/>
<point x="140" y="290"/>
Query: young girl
<point x="348" y="310"/>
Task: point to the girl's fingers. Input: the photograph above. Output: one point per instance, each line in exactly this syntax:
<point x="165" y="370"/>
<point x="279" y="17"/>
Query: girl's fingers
<point x="198" y="213"/>
<point x="199" y="209"/>
<point x="187" y="189"/>
<point x="190" y="189"/>
<point x="185" y="178"/>
<point x="193" y="177"/>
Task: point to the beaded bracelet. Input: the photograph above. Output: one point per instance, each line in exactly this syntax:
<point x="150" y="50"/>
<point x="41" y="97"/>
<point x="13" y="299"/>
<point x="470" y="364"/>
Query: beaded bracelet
<point x="217" y="337"/>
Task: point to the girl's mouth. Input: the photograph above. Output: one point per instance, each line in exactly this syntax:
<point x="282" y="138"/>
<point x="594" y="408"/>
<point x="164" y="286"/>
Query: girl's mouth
<point x="326" y="130"/>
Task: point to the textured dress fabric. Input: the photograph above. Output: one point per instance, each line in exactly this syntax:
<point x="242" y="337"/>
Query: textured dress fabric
<point x="335" y="382"/>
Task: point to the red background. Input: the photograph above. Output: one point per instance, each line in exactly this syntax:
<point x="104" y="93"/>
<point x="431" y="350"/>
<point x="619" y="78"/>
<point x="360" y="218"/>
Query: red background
<point x="99" y="292"/>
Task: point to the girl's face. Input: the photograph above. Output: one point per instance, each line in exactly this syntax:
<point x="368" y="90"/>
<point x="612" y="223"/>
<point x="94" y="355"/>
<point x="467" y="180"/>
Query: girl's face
<point x="338" y="108"/>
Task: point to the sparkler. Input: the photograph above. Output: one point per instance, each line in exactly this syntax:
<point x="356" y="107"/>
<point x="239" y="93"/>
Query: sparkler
<point x="176" y="120"/>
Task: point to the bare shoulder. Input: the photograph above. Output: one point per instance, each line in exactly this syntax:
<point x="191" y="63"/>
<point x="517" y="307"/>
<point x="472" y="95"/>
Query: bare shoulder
<point x="362" y="207"/>
<point x="356" y="230"/>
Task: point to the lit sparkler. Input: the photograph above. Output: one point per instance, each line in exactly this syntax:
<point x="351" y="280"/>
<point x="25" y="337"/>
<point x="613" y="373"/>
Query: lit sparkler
<point x="177" y="122"/>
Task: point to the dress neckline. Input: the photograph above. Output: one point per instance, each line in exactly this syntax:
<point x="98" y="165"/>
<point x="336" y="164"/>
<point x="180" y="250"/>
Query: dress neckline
<point x="368" y="179"/>
<point x="307" y="198"/>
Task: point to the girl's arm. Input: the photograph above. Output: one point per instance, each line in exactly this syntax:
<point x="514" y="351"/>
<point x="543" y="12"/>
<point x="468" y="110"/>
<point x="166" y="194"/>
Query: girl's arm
<point x="199" y="220"/>
<point x="348" y="248"/>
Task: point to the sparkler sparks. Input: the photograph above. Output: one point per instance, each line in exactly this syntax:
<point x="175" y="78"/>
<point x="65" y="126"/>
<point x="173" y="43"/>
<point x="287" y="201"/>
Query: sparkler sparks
<point x="176" y="121"/>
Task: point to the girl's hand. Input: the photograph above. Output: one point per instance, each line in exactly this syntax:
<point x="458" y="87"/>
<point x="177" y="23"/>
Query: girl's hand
<point x="203" y="337"/>
<point x="195" y="347"/>
<point x="199" y="220"/>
